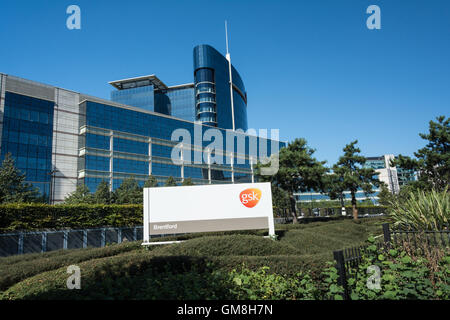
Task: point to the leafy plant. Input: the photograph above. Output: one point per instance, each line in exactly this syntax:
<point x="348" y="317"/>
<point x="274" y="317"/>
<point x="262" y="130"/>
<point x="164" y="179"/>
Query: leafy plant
<point x="405" y="274"/>
<point x="423" y="209"/>
<point x="256" y="285"/>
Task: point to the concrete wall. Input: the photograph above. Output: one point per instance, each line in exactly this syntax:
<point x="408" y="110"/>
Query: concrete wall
<point x="66" y="124"/>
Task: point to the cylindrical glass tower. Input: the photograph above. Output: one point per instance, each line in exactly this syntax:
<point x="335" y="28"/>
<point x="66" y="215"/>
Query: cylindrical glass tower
<point x="212" y="90"/>
<point x="205" y="96"/>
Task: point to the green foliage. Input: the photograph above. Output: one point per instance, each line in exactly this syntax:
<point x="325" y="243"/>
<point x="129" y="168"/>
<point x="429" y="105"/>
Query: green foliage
<point x="103" y="195"/>
<point x="433" y="161"/>
<point x="129" y="192"/>
<point x="281" y="202"/>
<point x="81" y="195"/>
<point x="298" y="171"/>
<point x="385" y="197"/>
<point x="405" y="273"/>
<point x="330" y="287"/>
<point x="231" y="245"/>
<point x="12" y="184"/>
<point x="422" y="209"/>
<point x="170" y="182"/>
<point x="256" y="285"/>
<point x="17" y="268"/>
<point x="187" y="182"/>
<point x="205" y="267"/>
<point x="151" y="182"/>
<point x="44" y="216"/>
<point x="350" y="175"/>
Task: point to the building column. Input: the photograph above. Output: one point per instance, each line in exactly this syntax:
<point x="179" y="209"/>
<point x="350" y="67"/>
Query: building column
<point x="209" y="164"/>
<point x="232" y="167"/>
<point x="182" y="161"/>
<point x="111" y="159"/>
<point x="150" y="156"/>
<point x="251" y="167"/>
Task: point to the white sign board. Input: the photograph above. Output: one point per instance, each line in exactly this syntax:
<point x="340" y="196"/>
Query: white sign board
<point x="207" y="208"/>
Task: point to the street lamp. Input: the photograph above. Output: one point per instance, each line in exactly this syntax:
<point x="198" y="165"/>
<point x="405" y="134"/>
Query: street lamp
<point x="51" y="173"/>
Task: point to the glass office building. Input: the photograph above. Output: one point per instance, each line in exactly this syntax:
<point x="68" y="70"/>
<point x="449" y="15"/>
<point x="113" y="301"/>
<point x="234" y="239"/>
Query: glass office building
<point x="393" y="177"/>
<point x="60" y="138"/>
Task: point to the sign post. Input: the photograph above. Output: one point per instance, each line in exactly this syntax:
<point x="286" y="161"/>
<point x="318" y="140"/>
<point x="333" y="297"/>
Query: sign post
<point x="207" y="208"/>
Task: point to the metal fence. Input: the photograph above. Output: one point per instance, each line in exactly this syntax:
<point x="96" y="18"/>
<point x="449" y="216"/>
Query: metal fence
<point x="349" y="258"/>
<point x="43" y="241"/>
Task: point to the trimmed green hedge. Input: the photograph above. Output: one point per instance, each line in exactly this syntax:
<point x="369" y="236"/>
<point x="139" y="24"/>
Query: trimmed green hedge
<point x="15" y="217"/>
<point x="33" y="216"/>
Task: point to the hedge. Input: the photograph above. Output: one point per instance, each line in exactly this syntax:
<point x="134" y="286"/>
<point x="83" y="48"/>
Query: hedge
<point x="28" y="217"/>
<point x="14" y="217"/>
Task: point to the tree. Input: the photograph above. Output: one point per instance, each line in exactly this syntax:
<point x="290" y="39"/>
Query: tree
<point x="281" y="202"/>
<point x="103" y="194"/>
<point x="432" y="161"/>
<point x="151" y="182"/>
<point x="298" y="171"/>
<point x="80" y="195"/>
<point x="187" y="182"/>
<point x="334" y="186"/>
<point x="129" y="192"/>
<point x="385" y="197"/>
<point x="12" y="184"/>
<point x="351" y="176"/>
<point x="170" y="182"/>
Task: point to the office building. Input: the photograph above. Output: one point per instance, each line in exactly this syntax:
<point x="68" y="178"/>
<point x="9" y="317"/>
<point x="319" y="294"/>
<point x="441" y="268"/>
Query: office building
<point x="394" y="178"/>
<point x="60" y="138"/>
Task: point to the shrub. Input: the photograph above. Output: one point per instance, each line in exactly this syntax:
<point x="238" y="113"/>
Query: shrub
<point x="233" y="245"/>
<point x="254" y="285"/>
<point x="17" y="268"/>
<point x="43" y="216"/>
<point x="423" y="210"/>
<point x="406" y="273"/>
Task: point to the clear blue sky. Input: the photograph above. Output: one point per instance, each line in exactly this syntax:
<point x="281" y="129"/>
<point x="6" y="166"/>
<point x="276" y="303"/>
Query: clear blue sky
<point x="311" y="68"/>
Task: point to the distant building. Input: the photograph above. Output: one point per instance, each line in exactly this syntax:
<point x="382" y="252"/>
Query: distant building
<point x="393" y="177"/>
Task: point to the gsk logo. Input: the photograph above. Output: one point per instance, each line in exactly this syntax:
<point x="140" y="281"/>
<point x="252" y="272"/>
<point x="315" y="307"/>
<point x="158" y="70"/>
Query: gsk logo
<point x="250" y="197"/>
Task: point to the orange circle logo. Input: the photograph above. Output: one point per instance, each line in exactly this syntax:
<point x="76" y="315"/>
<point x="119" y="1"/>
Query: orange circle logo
<point x="250" y="197"/>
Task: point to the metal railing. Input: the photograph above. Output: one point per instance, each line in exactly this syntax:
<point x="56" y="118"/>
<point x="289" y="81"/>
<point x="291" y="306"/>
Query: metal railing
<point x="350" y="258"/>
<point x="43" y="241"/>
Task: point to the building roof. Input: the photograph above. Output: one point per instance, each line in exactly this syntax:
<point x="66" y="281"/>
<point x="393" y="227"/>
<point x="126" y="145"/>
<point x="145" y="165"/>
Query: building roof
<point x="138" y="82"/>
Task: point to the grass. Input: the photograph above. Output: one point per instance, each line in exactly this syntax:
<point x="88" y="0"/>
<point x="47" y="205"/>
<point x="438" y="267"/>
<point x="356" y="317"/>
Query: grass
<point x="118" y="271"/>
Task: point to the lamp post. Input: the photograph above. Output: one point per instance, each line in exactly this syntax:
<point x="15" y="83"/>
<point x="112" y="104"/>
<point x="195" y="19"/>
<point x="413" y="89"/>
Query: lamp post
<point x="50" y="198"/>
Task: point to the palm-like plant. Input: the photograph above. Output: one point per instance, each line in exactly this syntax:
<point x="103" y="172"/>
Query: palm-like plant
<point x="423" y="210"/>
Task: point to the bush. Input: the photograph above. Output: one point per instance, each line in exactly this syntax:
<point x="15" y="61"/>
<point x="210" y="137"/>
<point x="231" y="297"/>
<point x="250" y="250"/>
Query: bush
<point x="205" y="267"/>
<point x="16" y="268"/>
<point x="423" y="210"/>
<point x="141" y="275"/>
<point x="405" y="273"/>
<point x="43" y="216"/>
<point x="233" y="245"/>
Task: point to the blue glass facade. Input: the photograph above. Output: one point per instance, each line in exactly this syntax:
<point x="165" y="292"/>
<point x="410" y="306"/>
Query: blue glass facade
<point x="177" y="102"/>
<point x="130" y="136"/>
<point x="141" y="143"/>
<point x="212" y="81"/>
<point x="27" y="135"/>
<point x="207" y="100"/>
<point x="141" y="97"/>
